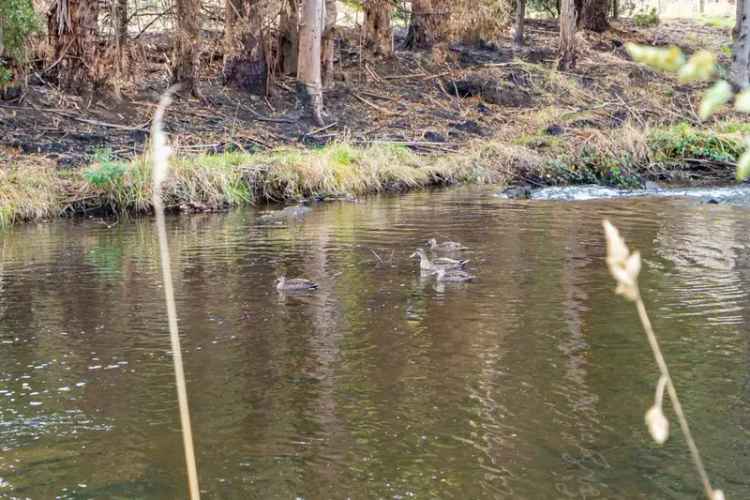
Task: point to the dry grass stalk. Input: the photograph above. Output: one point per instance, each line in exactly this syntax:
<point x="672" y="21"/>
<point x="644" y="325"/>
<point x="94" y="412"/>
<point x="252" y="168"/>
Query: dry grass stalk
<point x="160" y="154"/>
<point x="625" y="267"/>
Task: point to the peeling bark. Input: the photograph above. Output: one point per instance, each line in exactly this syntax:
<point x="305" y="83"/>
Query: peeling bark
<point x="245" y="65"/>
<point x="289" y="37"/>
<point x="377" y="30"/>
<point x="186" y="60"/>
<point x="593" y="15"/>
<point x="427" y="25"/>
<point x="72" y="30"/>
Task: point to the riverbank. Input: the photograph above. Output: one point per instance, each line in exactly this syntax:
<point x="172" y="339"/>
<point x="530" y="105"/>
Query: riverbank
<point x="464" y="115"/>
<point x="212" y="182"/>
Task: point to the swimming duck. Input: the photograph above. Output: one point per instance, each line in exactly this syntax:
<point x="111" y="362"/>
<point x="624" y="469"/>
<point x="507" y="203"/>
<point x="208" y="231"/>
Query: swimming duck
<point x="453" y="275"/>
<point x="427" y="265"/>
<point x="445" y="246"/>
<point x="282" y="283"/>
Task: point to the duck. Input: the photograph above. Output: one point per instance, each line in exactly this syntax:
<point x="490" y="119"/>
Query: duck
<point x="295" y="284"/>
<point x="445" y="246"/>
<point x="453" y="275"/>
<point x="427" y="265"/>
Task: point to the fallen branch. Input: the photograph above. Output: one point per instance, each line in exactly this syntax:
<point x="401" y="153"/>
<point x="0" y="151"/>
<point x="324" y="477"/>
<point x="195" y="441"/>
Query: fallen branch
<point x="375" y="106"/>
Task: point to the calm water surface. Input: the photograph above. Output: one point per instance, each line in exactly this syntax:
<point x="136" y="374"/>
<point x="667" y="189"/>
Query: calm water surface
<point x="530" y="383"/>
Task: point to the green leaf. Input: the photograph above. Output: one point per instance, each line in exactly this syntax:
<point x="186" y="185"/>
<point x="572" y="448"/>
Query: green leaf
<point x="700" y="67"/>
<point x="665" y="59"/>
<point x="742" y="101"/>
<point x="714" y="98"/>
<point x="743" y="166"/>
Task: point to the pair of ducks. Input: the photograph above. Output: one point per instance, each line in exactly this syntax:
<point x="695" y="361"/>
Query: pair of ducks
<point x="445" y="268"/>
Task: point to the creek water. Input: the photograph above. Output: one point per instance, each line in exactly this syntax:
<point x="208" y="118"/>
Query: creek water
<point x="529" y="383"/>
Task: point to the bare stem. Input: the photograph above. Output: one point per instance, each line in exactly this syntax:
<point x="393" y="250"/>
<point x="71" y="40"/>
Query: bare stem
<point x="179" y="371"/>
<point x="661" y="362"/>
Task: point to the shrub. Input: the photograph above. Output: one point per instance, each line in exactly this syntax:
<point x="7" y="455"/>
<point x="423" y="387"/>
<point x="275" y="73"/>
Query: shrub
<point x="646" y="19"/>
<point x="17" y="21"/>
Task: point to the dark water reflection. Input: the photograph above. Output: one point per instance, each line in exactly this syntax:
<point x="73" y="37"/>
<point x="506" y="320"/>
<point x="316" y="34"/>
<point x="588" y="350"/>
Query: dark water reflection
<point x="530" y="383"/>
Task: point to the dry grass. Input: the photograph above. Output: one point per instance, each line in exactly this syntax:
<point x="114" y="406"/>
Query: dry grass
<point x="210" y="182"/>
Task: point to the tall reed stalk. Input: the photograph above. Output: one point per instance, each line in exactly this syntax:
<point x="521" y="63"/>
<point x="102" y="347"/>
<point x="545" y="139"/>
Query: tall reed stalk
<point x="625" y="267"/>
<point x="160" y="152"/>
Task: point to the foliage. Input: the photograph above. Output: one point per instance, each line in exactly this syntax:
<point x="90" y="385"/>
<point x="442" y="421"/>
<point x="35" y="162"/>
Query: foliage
<point x="18" y="20"/>
<point x="700" y="67"/>
<point x="686" y="142"/>
<point x="106" y="172"/>
<point x="722" y="22"/>
<point x="646" y="19"/>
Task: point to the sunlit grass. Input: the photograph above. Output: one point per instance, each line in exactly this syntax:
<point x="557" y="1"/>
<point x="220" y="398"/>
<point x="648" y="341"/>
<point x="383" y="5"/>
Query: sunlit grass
<point x="724" y="22"/>
<point x="215" y="181"/>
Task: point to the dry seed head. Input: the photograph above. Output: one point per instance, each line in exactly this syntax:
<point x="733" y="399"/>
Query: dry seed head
<point x="160" y="150"/>
<point x="657" y="423"/>
<point x="623" y="265"/>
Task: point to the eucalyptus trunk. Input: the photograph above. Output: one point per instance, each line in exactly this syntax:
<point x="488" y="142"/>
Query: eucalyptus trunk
<point x="289" y="37"/>
<point x="186" y="59"/>
<point x="328" y="42"/>
<point x="309" y="81"/>
<point x="738" y="19"/>
<point x="428" y="23"/>
<point x="378" y="33"/>
<point x="567" y="35"/>
<point x="245" y="65"/>
<point x="593" y="15"/>
<point x="120" y="26"/>
<point x="741" y="52"/>
<point x="518" y="23"/>
<point x="73" y="34"/>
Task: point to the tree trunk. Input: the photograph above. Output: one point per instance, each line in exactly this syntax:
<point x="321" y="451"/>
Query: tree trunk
<point x="328" y="42"/>
<point x="593" y="15"/>
<point x="72" y="30"/>
<point x="741" y="53"/>
<point x="120" y="26"/>
<point x="186" y="59"/>
<point x="289" y="37"/>
<point x="615" y="9"/>
<point x="518" y="23"/>
<point x="120" y="21"/>
<point x="738" y="19"/>
<point x="309" y="84"/>
<point x="2" y="45"/>
<point x="428" y="23"/>
<point x="567" y="35"/>
<point x="378" y="34"/>
<point x="245" y="65"/>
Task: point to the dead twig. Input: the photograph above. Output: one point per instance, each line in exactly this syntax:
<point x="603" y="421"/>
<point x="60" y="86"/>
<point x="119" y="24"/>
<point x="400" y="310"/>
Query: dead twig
<point x="375" y="106"/>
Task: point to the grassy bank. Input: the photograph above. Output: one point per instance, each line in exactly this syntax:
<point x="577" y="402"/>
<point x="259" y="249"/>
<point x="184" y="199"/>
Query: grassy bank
<point x="210" y="182"/>
<point x="624" y="157"/>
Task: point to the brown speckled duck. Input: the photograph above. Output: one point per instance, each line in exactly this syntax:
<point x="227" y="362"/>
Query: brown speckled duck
<point x="445" y="246"/>
<point x="453" y="275"/>
<point x="295" y="284"/>
<point x="427" y="265"/>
